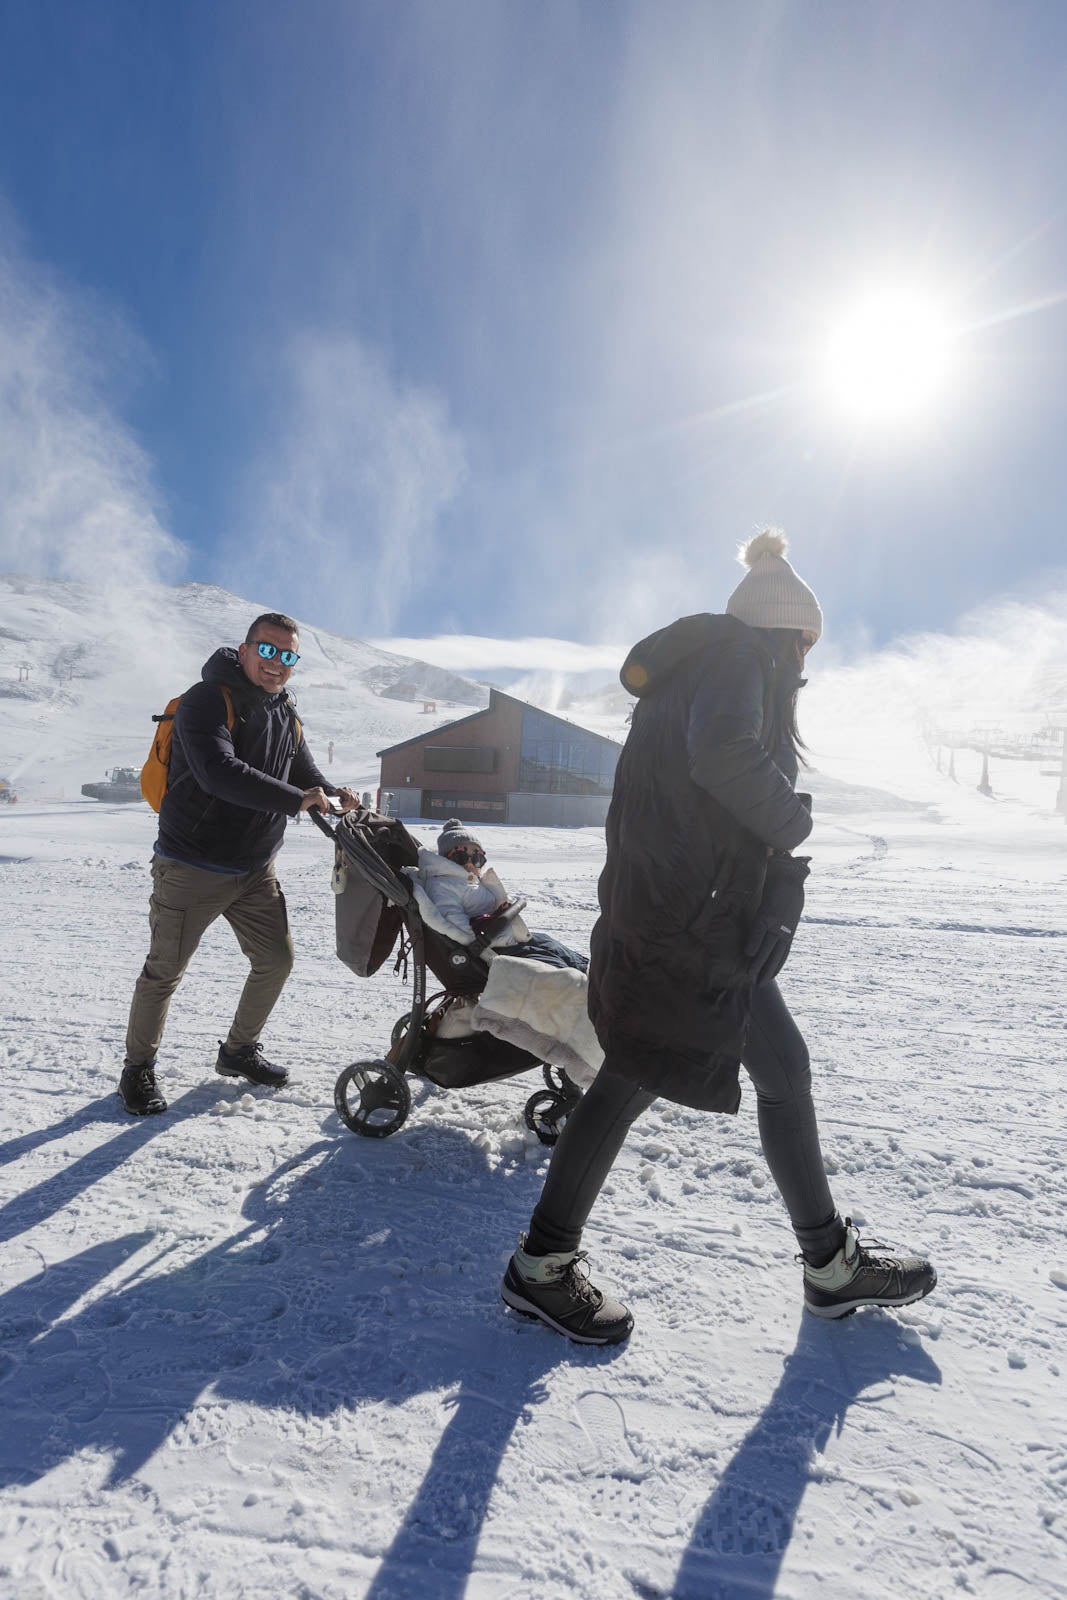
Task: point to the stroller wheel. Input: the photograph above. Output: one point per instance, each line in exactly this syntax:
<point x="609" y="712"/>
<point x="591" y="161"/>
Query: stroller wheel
<point x="558" y="1081"/>
<point x="400" y="1027"/>
<point x="372" y="1098"/>
<point x="545" y="1113"/>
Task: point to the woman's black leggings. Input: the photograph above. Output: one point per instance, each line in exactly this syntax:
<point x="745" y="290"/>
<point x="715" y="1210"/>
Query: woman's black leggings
<point x="776" y="1059"/>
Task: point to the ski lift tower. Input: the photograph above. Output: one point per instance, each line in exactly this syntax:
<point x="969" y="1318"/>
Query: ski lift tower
<point x="1061" y="798"/>
<point x="985" y="736"/>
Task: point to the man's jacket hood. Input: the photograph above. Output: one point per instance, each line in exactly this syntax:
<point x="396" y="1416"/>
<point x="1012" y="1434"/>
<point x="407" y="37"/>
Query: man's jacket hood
<point x="223" y="666"/>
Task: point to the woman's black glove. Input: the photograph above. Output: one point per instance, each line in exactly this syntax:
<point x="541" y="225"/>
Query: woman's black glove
<point x="775" y="923"/>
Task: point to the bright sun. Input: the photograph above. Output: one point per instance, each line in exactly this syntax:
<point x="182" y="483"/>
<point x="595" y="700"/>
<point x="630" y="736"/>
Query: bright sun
<point x="887" y="359"/>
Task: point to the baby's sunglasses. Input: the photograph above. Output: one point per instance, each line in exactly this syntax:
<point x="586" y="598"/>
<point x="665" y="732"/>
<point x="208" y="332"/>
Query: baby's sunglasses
<point x="466" y="857"/>
<point x="289" y="658"/>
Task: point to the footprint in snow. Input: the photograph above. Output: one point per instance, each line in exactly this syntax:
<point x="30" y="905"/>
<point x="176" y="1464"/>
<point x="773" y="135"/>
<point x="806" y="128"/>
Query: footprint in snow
<point x="604" y="1421"/>
<point x="745" y="1523"/>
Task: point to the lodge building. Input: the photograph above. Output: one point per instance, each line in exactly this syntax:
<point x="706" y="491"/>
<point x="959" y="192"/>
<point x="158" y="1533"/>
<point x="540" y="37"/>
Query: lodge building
<point x="510" y="763"/>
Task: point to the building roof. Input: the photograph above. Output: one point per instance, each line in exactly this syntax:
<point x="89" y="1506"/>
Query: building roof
<point x="494" y="696"/>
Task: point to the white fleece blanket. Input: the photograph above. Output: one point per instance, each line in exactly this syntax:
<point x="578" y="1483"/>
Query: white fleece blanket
<point x="541" y="1009"/>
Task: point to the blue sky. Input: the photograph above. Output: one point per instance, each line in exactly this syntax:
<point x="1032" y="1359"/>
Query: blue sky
<point x="494" y="319"/>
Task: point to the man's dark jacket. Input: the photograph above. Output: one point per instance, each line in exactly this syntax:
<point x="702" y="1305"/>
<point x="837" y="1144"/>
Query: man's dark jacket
<point x="704" y="785"/>
<point x="229" y="794"/>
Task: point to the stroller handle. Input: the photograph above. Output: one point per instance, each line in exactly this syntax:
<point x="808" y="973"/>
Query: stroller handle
<point x="360" y="854"/>
<point x="319" y="819"/>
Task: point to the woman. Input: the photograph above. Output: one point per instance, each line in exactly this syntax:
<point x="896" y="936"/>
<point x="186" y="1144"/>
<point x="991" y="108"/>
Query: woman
<point x="700" y="897"/>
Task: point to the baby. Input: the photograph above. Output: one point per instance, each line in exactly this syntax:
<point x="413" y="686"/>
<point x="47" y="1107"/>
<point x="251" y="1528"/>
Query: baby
<point x="463" y="887"/>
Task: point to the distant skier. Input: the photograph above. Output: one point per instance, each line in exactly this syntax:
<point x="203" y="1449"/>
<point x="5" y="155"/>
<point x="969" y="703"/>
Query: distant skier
<point x="700" y="897"/>
<point x="329" y="753"/>
<point x="221" y="824"/>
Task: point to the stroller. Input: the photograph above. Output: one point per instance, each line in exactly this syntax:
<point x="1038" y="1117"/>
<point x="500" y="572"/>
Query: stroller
<point x="376" y="908"/>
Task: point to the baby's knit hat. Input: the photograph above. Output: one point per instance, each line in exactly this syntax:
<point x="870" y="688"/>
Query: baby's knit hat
<point x="771" y="595"/>
<point x="454" y="833"/>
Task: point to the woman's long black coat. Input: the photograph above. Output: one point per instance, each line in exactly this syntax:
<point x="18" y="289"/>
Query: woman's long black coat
<point x="704" y="785"/>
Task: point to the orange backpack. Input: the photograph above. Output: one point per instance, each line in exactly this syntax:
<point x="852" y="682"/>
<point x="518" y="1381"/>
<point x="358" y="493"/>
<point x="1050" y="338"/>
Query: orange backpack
<point x="156" y="770"/>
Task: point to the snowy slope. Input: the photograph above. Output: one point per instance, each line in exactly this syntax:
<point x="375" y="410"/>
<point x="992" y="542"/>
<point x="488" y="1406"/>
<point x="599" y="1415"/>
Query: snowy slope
<point x="246" y="1355"/>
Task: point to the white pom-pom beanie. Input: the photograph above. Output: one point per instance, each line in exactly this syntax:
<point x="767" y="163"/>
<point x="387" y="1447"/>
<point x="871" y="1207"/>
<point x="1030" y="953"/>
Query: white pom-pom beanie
<point x="771" y="595"/>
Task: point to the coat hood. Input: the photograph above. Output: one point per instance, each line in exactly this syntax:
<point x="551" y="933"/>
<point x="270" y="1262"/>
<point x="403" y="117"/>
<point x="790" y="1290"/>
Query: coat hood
<point x="224" y="667"/>
<point x="652" y="661"/>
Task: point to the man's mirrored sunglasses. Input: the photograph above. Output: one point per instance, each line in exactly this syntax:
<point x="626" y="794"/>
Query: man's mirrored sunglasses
<point x="289" y="658"/>
<point x="467" y="858"/>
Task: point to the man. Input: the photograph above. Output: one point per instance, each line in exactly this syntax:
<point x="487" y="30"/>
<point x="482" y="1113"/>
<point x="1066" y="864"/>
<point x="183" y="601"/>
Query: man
<point x="239" y="767"/>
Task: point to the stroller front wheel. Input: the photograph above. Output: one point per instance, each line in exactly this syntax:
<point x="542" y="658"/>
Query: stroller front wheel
<point x="372" y="1098"/>
<point x="545" y="1113"/>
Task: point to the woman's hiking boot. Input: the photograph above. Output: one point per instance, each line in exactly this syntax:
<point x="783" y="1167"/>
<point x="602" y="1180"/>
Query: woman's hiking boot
<point x="250" y="1062"/>
<point x="857" y="1276"/>
<point x="140" y="1093"/>
<point x="554" y="1290"/>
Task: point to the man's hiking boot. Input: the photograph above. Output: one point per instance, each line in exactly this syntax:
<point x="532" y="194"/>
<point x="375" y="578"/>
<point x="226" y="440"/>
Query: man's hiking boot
<point x="140" y="1092"/>
<point x="856" y="1277"/>
<point x="250" y="1062"/>
<point x="553" y="1289"/>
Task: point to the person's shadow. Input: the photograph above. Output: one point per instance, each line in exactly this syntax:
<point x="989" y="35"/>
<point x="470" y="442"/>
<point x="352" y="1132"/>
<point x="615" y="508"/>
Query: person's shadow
<point x="744" y="1529"/>
<point x="366" y="1273"/>
<point x="32" y="1206"/>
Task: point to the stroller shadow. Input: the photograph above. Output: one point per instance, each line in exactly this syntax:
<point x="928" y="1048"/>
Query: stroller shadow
<point x="359" y="1279"/>
<point x="744" y="1530"/>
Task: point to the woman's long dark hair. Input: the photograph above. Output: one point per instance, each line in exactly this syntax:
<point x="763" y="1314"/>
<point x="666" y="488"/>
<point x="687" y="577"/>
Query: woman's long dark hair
<point x="787" y="681"/>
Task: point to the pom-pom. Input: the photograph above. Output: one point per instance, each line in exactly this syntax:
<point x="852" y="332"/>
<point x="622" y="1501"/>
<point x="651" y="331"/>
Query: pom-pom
<point x="771" y="542"/>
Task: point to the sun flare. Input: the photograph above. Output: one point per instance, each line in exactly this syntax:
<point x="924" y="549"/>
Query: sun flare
<point x="887" y="358"/>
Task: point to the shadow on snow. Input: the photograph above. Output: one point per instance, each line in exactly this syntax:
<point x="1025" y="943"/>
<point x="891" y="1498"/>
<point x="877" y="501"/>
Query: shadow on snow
<point x="742" y="1533"/>
<point x="36" y="1205"/>
<point x="360" y="1277"/>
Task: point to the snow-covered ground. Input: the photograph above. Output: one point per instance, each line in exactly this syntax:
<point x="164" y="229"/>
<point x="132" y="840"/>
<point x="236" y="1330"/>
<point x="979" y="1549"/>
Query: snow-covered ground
<point x="246" y="1354"/>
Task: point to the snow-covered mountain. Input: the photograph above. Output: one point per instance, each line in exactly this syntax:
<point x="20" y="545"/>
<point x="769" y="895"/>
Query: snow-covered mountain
<point x="82" y="670"/>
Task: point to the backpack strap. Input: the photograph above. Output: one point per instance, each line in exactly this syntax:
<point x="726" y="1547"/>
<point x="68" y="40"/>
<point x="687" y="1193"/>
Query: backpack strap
<point x="231" y="716"/>
<point x="298" y="731"/>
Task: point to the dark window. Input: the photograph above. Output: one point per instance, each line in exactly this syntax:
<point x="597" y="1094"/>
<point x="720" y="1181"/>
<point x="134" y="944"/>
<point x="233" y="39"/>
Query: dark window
<point x="556" y="759"/>
<point x="458" y="758"/>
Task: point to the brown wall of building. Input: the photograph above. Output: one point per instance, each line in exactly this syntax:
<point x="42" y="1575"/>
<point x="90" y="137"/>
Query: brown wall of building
<point x="499" y="728"/>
